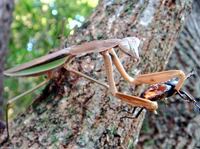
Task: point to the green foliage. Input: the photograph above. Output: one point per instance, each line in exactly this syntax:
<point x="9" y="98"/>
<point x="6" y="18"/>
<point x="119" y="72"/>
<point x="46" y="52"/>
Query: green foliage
<point x="36" y="27"/>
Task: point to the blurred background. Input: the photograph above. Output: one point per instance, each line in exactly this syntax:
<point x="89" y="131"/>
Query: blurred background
<point x="38" y="27"/>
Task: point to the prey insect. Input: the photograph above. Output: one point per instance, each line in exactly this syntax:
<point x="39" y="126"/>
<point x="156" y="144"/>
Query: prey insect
<point x="62" y="58"/>
<point x="166" y="89"/>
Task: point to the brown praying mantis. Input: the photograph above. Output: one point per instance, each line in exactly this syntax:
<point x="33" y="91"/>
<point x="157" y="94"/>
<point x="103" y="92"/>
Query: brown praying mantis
<point x="62" y="58"/>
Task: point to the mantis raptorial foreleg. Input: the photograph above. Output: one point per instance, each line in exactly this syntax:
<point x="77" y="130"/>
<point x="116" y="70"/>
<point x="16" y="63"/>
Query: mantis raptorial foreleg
<point x="158" y="77"/>
<point x="150" y="78"/>
<point x="120" y="67"/>
<point x="133" y="100"/>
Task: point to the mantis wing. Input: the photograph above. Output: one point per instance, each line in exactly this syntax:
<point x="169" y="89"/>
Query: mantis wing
<point x="38" y="69"/>
<point x="38" y="61"/>
<point x="56" y="59"/>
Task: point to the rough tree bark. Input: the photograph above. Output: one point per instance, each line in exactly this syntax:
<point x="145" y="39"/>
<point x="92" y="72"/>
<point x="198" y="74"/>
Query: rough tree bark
<point x="6" y="9"/>
<point x="76" y="113"/>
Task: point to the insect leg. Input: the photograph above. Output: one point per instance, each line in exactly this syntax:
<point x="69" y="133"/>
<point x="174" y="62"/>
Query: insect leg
<point x="11" y="101"/>
<point x="133" y="100"/>
<point x="139" y="112"/>
<point x="151" y="78"/>
<point x="157" y="77"/>
<point x="87" y="77"/>
<point x="67" y="67"/>
<point x="120" y="67"/>
<point x="135" y="116"/>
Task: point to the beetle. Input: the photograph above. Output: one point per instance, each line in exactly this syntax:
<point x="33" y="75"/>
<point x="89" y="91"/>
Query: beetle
<point x="167" y="89"/>
<point x="45" y="65"/>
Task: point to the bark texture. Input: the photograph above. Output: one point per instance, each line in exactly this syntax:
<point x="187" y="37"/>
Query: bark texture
<point x="178" y="125"/>
<point x="6" y="9"/>
<point x="76" y="113"/>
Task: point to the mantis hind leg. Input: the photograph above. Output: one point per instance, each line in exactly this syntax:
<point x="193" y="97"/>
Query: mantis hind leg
<point x="11" y="101"/>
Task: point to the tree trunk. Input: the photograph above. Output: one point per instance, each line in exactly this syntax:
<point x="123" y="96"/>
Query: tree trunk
<point x="6" y="8"/>
<point x="76" y="113"/>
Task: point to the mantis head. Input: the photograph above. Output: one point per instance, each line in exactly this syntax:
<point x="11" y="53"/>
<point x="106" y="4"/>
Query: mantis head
<point x="130" y="46"/>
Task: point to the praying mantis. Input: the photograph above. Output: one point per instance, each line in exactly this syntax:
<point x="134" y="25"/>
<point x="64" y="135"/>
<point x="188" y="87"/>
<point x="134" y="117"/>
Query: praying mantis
<point x="46" y="65"/>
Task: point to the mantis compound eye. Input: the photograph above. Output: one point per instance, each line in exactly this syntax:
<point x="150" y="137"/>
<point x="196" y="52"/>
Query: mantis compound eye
<point x="130" y="46"/>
